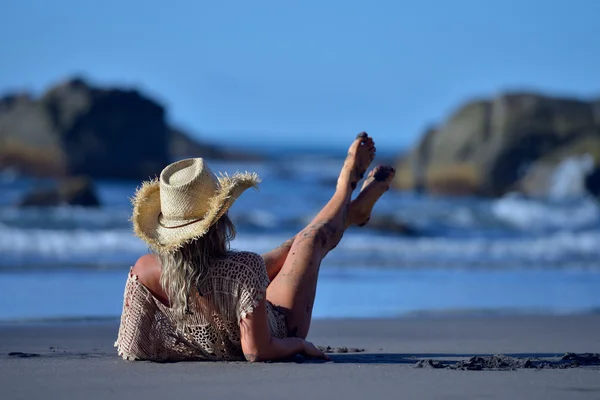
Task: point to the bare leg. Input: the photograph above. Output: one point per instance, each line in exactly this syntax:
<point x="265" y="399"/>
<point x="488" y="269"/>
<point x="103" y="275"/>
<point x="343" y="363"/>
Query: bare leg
<point x="377" y="183"/>
<point x="275" y="258"/>
<point x="294" y="288"/>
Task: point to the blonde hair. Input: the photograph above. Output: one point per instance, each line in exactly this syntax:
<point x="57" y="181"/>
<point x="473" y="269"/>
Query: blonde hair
<point x="185" y="269"/>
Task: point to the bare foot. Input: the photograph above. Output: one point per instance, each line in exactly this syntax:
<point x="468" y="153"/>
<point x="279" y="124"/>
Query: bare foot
<point x="377" y="183"/>
<point x="360" y="155"/>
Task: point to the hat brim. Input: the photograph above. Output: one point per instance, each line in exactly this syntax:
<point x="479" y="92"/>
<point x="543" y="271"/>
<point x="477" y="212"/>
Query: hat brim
<point x="147" y="210"/>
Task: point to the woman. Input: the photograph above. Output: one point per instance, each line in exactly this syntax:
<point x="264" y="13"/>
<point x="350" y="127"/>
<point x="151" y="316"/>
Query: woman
<point x="192" y="298"/>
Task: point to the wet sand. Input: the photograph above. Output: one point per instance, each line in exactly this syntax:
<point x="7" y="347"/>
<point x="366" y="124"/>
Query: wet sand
<point x="56" y="361"/>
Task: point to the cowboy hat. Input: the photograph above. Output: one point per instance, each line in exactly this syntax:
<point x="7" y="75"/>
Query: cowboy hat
<point x="184" y="203"/>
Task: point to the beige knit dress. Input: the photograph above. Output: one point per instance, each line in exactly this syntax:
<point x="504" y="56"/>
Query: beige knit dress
<point x="149" y="329"/>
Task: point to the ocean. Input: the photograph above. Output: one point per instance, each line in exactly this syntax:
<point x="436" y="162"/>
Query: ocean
<point x="465" y="255"/>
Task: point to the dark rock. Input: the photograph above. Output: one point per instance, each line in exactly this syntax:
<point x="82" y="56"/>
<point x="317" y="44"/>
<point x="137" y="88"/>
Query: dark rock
<point x="78" y="129"/>
<point x="70" y="191"/>
<point x="391" y="224"/>
<point x="429" y="363"/>
<point x="108" y="133"/>
<point x="501" y="362"/>
<point x="592" y="182"/>
<point x="582" y="358"/>
<point x="497" y="362"/>
<point x="488" y="146"/>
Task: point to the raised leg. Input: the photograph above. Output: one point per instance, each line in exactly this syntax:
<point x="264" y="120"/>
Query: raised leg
<point x="275" y="258"/>
<point x="293" y="289"/>
<point x="359" y="213"/>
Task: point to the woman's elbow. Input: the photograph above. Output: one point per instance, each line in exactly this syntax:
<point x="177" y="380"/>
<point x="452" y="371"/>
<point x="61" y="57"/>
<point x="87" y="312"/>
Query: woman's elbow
<point x="252" y="357"/>
<point x="257" y="353"/>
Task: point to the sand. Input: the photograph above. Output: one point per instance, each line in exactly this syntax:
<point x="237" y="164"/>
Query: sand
<point x="76" y="360"/>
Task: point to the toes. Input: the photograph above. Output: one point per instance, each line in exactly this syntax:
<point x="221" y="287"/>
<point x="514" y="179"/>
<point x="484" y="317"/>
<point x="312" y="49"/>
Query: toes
<point x="365" y="139"/>
<point x="364" y="223"/>
<point x="369" y="145"/>
<point x="383" y="173"/>
<point x="362" y="141"/>
<point x="363" y="150"/>
<point x="362" y="135"/>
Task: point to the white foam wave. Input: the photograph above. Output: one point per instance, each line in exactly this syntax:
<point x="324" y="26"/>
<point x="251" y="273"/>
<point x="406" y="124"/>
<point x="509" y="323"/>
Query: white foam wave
<point x="65" y="217"/>
<point x="117" y="246"/>
<point x="532" y="215"/>
<point x="568" y="178"/>
<point x="553" y="247"/>
<point x="21" y="245"/>
<point x="367" y="250"/>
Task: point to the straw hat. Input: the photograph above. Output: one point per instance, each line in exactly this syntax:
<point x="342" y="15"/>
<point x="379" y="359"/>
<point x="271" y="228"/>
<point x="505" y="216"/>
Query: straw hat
<point x="184" y="203"/>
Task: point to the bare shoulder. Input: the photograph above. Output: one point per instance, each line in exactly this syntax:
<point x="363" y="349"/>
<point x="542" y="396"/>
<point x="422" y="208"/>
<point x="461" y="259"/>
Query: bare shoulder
<point x="147" y="268"/>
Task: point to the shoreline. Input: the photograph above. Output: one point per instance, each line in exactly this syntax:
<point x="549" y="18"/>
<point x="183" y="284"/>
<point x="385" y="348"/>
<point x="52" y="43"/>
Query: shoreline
<point x="425" y="314"/>
<point x="388" y="294"/>
<point x="74" y="359"/>
<point x="472" y="312"/>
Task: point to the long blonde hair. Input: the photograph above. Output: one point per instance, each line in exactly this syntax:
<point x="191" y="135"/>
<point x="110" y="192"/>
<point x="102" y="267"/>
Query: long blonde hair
<point x="184" y="270"/>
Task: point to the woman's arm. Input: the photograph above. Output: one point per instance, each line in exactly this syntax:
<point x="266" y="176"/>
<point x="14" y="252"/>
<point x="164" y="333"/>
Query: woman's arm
<point x="259" y="345"/>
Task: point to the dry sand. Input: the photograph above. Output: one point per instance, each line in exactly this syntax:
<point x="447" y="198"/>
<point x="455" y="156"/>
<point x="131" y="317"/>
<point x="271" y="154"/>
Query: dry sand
<point x="60" y="361"/>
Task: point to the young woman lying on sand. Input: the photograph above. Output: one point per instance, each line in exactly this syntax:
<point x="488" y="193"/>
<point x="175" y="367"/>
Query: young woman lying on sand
<point x="193" y="298"/>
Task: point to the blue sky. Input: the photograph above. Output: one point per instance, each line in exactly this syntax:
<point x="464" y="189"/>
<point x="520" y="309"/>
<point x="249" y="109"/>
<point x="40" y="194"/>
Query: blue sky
<point x="310" y="73"/>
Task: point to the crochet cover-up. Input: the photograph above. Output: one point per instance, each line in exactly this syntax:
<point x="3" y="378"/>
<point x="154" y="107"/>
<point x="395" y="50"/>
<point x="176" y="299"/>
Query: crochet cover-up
<point x="149" y="329"/>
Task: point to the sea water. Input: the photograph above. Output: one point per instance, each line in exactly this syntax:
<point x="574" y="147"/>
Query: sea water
<point x="511" y="254"/>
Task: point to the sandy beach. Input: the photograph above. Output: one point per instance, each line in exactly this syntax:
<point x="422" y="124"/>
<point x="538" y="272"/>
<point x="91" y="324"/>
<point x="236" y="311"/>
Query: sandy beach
<point x="77" y="360"/>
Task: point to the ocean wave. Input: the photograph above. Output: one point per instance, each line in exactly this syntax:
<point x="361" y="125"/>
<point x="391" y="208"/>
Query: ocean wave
<point x="535" y="215"/>
<point x="26" y="247"/>
<point x="68" y="248"/>
<point x="512" y="231"/>
<point x="65" y="217"/>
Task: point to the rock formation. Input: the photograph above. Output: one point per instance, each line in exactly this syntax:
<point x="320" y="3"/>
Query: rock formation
<point x="488" y="147"/>
<point x="77" y="129"/>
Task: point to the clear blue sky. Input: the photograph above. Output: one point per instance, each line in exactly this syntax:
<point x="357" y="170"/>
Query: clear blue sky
<point x="306" y="72"/>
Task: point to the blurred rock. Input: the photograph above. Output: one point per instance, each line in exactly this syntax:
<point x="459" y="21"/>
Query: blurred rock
<point x="75" y="191"/>
<point x="75" y="128"/>
<point x="390" y="224"/>
<point x="592" y="182"/>
<point x="488" y="147"/>
<point x="29" y="143"/>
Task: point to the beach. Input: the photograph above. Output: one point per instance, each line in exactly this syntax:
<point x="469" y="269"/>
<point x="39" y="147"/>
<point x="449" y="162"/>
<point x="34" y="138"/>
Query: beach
<point x="471" y="273"/>
<point x="477" y="278"/>
<point x="77" y="360"/>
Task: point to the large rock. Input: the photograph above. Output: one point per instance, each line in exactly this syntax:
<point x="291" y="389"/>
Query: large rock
<point x="75" y="128"/>
<point x="488" y="146"/>
<point x="29" y="141"/>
